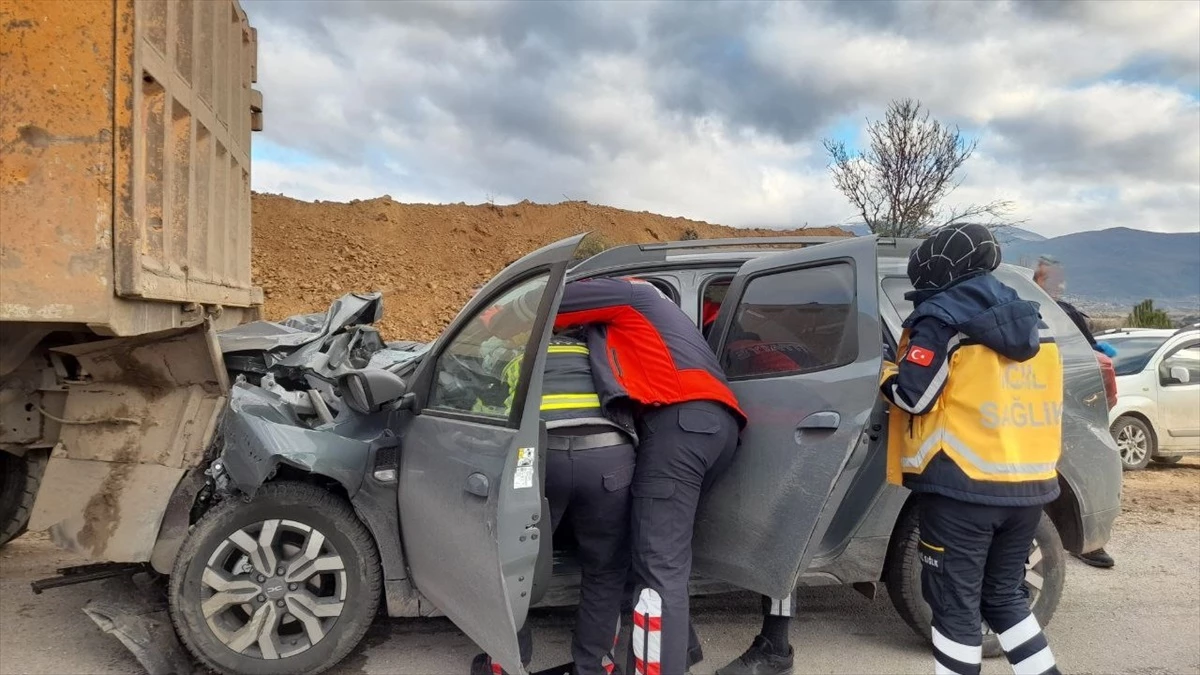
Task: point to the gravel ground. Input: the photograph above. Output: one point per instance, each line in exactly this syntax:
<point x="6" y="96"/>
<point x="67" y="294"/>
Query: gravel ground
<point x="1141" y="617"/>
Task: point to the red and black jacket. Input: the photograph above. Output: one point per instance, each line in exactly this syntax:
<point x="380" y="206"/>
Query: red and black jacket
<point x="643" y="347"/>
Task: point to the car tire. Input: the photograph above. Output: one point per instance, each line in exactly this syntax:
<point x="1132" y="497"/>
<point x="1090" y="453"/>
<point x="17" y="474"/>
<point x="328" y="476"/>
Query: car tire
<point x="326" y="571"/>
<point x="1135" y="442"/>
<point x="20" y="478"/>
<point x="1047" y="565"/>
<point x="1170" y="459"/>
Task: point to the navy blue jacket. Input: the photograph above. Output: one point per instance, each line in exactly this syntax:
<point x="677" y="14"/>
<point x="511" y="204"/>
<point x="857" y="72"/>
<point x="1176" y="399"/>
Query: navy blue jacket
<point x="984" y="310"/>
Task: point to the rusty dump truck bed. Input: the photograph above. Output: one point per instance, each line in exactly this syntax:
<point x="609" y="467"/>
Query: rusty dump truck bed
<point x="124" y="163"/>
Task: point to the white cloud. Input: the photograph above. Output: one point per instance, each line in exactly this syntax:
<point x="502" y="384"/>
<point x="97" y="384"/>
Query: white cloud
<point x="1087" y="112"/>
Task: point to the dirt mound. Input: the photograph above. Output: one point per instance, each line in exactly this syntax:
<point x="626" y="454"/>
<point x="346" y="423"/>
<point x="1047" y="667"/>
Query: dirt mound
<point x="426" y="258"/>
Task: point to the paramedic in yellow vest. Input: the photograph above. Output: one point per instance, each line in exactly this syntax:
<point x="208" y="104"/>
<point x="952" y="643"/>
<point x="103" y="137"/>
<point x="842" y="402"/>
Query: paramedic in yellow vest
<point x="975" y="429"/>
<point x="589" y="468"/>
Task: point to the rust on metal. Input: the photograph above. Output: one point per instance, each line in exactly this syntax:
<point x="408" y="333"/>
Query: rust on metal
<point x="125" y="161"/>
<point x="144" y="415"/>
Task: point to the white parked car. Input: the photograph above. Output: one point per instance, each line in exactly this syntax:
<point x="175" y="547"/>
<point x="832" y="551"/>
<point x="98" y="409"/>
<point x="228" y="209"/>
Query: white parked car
<point x="1157" y="416"/>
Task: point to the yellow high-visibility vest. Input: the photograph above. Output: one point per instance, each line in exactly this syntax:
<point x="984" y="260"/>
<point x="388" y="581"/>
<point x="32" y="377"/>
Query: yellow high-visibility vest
<point x="998" y="419"/>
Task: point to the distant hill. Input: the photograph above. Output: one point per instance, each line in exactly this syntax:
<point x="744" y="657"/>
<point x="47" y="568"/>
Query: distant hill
<point x="1010" y="234"/>
<point x="1117" y="268"/>
<point x="1111" y="270"/>
<point x="1004" y="234"/>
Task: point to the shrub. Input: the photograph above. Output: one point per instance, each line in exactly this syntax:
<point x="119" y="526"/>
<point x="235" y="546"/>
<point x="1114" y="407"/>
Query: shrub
<point x="1146" y="315"/>
<point x="690" y="234"/>
<point x="591" y="245"/>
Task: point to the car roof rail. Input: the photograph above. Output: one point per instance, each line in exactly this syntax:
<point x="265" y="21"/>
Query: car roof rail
<point x="1188" y="328"/>
<point x="633" y="254"/>
<point x="700" y="244"/>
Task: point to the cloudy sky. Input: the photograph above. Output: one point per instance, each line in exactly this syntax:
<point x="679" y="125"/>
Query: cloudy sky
<point x="1087" y="113"/>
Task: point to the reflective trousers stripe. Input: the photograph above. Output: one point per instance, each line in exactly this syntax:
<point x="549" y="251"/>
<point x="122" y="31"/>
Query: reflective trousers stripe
<point x="968" y="654"/>
<point x="1035" y="665"/>
<point x="1020" y="634"/>
<point x="782" y="606"/>
<point x="1027" y="649"/>
<point x="647" y="633"/>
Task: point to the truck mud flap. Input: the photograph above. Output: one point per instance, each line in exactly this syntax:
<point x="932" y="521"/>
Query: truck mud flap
<point x="136" y="414"/>
<point x="134" y="610"/>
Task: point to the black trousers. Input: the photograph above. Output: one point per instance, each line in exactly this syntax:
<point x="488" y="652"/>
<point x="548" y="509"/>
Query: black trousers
<point x="682" y="448"/>
<point x="592" y="487"/>
<point x="973" y="567"/>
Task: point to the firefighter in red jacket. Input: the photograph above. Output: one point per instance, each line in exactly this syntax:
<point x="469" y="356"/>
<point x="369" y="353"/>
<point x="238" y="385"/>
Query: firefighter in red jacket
<point x="650" y="360"/>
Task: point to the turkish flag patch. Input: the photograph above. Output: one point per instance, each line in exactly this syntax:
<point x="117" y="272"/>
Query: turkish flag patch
<point x="919" y="356"/>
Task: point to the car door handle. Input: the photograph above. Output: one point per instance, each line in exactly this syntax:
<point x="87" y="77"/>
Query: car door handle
<point x="827" y="420"/>
<point x="477" y="484"/>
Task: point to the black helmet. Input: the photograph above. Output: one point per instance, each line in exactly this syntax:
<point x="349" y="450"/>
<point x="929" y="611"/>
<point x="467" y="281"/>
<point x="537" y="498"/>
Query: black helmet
<point x="951" y="254"/>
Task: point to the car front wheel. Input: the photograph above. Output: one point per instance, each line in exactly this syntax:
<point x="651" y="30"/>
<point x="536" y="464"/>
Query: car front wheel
<point x="286" y="583"/>
<point x="1135" y="441"/>
<point x="1045" y="576"/>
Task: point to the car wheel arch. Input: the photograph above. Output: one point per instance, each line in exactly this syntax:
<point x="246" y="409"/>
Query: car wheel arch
<point x="1144" y="419"/>
<point x="1065" y="512"/>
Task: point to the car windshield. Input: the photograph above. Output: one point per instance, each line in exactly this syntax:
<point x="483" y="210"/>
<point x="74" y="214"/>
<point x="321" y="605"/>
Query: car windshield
<point x="1134" y="352"/>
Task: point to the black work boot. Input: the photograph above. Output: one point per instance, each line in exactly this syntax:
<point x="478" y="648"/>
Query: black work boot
<point x="760" y="659"/>
<point x="1099" y="558"/>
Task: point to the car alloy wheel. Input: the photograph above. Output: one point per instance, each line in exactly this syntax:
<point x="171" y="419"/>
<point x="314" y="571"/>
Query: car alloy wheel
<point x="285" y="583"/>
<point x="273" y="589"/>
<point x="1133" y="444"/>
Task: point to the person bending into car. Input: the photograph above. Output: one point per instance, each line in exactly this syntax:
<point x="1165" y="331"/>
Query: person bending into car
<point x="589" y="468"/>
<point x="975" y="429"/>
<point x="650" y="359"/>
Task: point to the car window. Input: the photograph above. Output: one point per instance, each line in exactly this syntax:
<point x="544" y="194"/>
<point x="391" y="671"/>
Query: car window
<point x="895" y="288"/>
<point x="710" y="301"/>
<point x="471" y="375"/>
<point x="666" y="288"/>
<point x="1188" y="358"/>
<point x="1133" y="353"/>
<point x="793" y="322"/>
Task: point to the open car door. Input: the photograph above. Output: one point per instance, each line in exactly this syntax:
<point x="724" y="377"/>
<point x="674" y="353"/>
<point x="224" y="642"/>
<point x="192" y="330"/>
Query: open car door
<point x="799" y="337"/>
<point x="470" y="497"/>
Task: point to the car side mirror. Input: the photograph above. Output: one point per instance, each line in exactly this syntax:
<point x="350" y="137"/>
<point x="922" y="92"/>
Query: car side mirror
<point x="1180" y="374"/>
<point x="370" y="391"/>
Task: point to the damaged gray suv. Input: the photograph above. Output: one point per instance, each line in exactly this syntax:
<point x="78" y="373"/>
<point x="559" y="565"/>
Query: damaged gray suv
<point x="349" y="474"/>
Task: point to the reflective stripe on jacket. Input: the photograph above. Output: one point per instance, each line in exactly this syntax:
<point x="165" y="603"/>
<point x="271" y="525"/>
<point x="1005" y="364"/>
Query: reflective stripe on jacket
<point x="976" y="397"/>
<point x="999" y="421"/>
<point x="569" y="395"/>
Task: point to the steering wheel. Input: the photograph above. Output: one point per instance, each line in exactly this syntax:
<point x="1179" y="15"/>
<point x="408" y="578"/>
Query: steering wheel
<point x="463" y="383"/>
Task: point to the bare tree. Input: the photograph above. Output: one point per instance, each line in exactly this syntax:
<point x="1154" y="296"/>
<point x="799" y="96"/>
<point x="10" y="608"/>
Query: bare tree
<point x="912" y="163"/>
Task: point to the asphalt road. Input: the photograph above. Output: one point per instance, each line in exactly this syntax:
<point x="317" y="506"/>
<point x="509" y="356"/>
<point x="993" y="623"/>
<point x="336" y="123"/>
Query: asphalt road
<point x="1142" y="617"/>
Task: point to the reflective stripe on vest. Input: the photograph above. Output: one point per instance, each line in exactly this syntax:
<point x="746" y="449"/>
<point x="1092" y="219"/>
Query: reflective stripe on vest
<point x="997" y="419"/>
<point x="568" y="391"/>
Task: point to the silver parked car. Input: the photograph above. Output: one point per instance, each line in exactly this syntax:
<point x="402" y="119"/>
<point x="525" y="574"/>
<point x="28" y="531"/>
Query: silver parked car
<point x="332" y="489"/>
